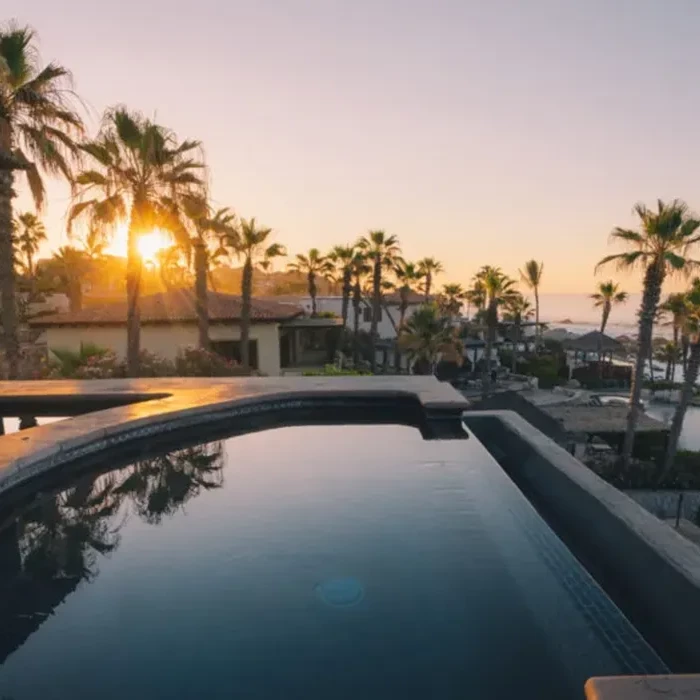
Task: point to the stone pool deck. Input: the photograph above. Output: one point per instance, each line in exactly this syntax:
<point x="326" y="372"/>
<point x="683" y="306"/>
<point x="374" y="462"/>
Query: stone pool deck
<point x="132" y="409"/>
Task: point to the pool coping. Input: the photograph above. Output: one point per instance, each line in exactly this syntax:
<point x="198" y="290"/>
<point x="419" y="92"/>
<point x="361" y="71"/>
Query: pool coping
<point x="145" y="407"/>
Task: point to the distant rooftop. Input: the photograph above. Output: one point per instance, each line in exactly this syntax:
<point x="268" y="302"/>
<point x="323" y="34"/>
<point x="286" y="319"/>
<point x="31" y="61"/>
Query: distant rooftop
<point x="593" y="342"/>
<point x="600" y="419"/>
<point x="173" y="306"/>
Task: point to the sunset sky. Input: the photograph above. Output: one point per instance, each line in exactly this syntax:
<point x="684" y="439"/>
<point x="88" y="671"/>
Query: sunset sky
<point x="479" y="132"/>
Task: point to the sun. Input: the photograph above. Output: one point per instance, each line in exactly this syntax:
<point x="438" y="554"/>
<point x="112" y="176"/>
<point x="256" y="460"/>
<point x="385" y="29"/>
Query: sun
<point x="151" y="243"/>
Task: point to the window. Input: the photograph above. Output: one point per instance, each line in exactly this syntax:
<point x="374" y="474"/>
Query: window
<point x="231" y="350"/>
<point x="367" y="314"/>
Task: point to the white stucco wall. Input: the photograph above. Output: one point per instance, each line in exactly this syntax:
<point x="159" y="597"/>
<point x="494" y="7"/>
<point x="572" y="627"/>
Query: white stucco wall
<point x="334" y="304"/>
<point x="166" y="341"/>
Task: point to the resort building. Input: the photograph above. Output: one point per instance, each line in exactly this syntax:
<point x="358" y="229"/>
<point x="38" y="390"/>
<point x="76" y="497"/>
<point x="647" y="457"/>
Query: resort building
<point x="281" y="336"/>
<point x="389" y="316"/>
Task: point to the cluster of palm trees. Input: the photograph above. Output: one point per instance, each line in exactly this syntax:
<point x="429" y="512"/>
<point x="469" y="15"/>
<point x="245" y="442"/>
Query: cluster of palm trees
<point x="661" y="247"/>
<point x="135" y="172"/>
<point x="369" y="269"/>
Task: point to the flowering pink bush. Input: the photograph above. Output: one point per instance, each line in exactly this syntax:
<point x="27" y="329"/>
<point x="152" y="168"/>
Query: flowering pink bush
<point x="196" y="362"/>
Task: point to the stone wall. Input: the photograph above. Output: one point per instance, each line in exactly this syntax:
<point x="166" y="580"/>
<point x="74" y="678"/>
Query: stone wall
<point x="647" y="568"/>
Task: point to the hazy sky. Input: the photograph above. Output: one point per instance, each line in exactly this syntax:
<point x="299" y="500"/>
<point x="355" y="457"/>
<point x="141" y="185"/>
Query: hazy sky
<point x="478" y="131"/>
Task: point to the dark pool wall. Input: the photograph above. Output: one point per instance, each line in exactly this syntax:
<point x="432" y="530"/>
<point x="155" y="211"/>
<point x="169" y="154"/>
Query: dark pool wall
<point x="650" y="571"/>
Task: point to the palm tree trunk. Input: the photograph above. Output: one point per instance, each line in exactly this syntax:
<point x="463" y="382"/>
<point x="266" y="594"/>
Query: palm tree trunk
<point x="347" y="285"/>
<point x="246" y="294"/>
<point x="376" y="310"/>
<point x="357" y="298"/>
<point x="684" y="351"/>
<point x="514" y="361"/>
<point x="653" y="279"/>
<point x="490" y="337"/>
<point x="312" y="291"/>
<point x="675" y="352"/>
<point x="200" y="293"/>
<point x="133" y="297"/>
<point x="428" y="284"/>
<point x="603" y="323"/>
<point x="691" y="376"/>
<point x="538" y="331"/>
<point x="10" y="323"/>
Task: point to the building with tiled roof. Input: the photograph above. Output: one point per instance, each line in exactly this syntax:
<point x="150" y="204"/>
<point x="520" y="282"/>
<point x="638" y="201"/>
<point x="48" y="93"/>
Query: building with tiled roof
<point x="280" y="334"/>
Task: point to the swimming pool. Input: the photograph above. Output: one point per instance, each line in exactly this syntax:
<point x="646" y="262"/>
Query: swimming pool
<point x="304" y="562"/>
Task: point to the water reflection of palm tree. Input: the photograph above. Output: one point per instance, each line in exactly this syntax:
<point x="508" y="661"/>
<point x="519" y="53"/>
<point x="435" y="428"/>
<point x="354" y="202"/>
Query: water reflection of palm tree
<point x="57" y="541"/>
<point x="161" y="485"/>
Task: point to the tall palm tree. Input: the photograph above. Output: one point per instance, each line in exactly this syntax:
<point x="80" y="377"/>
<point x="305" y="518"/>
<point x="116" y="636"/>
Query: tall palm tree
<point x="531" y="275"/>
<point x="38" y="125"/>
<point x="312" y="265"/>
<point x="206" y="226"/>
<point x="29" y="234"/>
<point x="251" y="245"/>
<point x="518" y="309"/>
<point x="451" y="299"/>
<point x="692" y="330"/>
<point x="342" y="257"/>
<point x="676" y="305"/>
<point x="360" y="268"/>
<point x="429" y="335"/>
<point x="660" y="247"/>
<point x="607" y="295"/>
<point x="141" y="174"/>
<point x="476" y="296"/>
<point x="408" y="276"/>
<point x="429" y="268"/>
<point x="499" y="289"/>
<point x="382" y="251"/>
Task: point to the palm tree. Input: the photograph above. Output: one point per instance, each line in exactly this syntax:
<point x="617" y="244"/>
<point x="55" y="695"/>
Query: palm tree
<point x="476" y="296"/>
<point x="66" y="272"/>
<point x="518" y="309"/>
<point x="451" y="299"/>
<point x="250" y="244"/>
<point x="667" y="353"/>
<point x="531" y="275"/>
<point x="608" y="295"/>
<point x="692" y="330"/>
<point x="428" y="335"/>
<point x="382" y="251"/>
<point x="94" y="244"/>
<point x="342" y="257"/>
<point x="360" y="268"/>
<point x="37" y="128"/>
<point x="498" y="289"/>
<point x="206" y="225"/>
<point x="29" y="234"/>
<point x="408" y="276"/>
<point x="429" y="268"/>
<point x="141" y="176"/>
<point x="660" y="247"/>
<point x="676" y="306"/>
<point x="312" y="265"/>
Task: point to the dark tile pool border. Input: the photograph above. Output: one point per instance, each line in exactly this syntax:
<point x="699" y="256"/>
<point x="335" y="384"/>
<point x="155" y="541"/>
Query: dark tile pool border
<point x="647" y="568"/>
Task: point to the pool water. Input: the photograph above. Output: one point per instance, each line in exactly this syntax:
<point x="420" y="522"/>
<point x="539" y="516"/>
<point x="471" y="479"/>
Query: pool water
<point x="307" y="562"/>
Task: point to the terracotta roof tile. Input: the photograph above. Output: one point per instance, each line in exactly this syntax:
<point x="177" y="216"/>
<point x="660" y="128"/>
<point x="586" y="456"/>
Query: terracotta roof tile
<point x="177" y="305"/>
